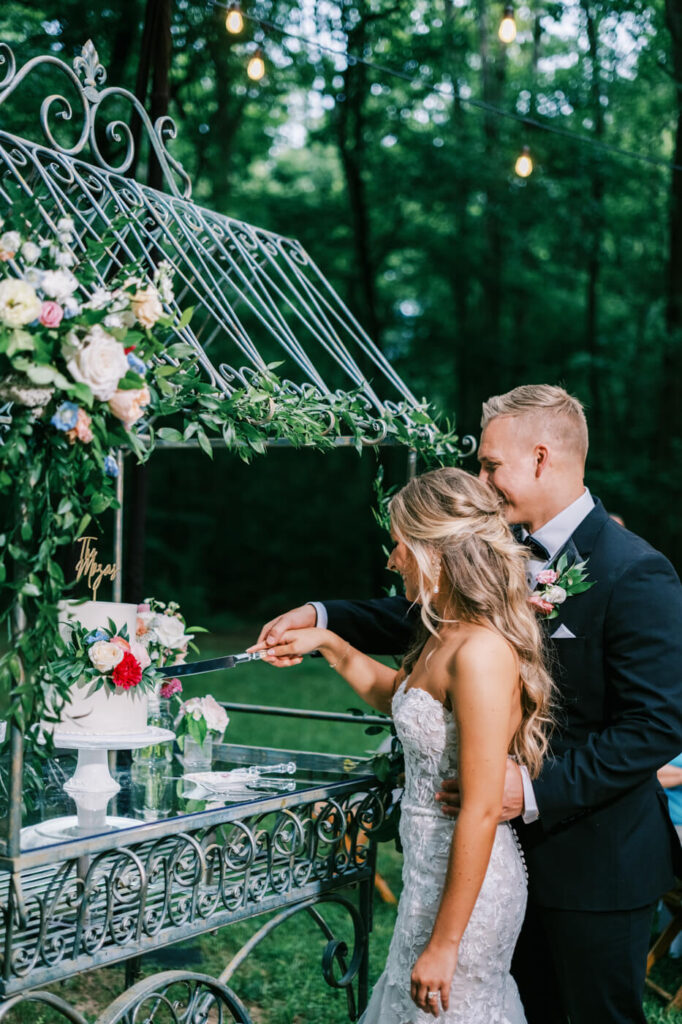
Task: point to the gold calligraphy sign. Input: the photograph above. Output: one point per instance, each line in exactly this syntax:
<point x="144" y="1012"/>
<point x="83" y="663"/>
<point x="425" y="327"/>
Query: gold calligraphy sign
<point x="88" y="566"/>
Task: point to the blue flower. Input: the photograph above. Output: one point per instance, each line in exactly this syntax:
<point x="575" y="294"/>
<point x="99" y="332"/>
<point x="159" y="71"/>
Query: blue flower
<point x="111" y="466"/>
<point x="66" y="416"/>
<point x="136" y="364"/>
<point x="97" y="634"/>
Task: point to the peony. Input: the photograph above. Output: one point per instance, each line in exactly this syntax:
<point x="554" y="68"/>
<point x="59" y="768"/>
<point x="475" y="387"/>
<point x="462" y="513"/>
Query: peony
<point x="209" y="709"/>
<point x="100" y="363"/>
<point x="81" y="429"/>
<point x="170" y="632"/>
<point x="58" y="284"/>
<point x="546" y="577"/>
<point x="538" y="603"/>
<point x="556" y="595"/>
<point x="120" y="642"/>
<point x="128" y="672"/>
<point x="10" y="242"/>
<point x="51" y="314"/>
<point x="170" y="688"/>
<point x="19" y="304"/>
<point x="127" y="405"/>
<point x="147" y="306"/>
<point x="105" y="656"/>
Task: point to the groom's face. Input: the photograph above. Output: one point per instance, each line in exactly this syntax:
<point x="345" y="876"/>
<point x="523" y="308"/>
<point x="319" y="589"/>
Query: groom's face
<point x="507" y="457"/>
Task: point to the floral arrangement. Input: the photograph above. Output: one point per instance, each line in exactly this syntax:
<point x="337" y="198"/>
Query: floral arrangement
<point x="161" y="630"/>
<point x="553" y="586"/>
<point x="105" y="657"/>
<point x="199" y="716"/>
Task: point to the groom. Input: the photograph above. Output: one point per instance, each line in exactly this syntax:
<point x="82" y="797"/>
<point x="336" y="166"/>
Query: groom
<point x="599" y="844"/>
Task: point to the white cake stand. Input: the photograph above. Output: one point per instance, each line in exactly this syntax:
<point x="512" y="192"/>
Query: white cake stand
<point x="92" y="786"/>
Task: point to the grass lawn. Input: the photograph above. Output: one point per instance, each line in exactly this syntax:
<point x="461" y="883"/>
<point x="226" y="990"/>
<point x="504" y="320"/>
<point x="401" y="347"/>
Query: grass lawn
<point x="281" y="982"/>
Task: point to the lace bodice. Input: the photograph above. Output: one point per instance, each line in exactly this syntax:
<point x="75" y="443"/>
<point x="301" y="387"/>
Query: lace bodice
<point x="482" y="988"/>
<point x="428" y="734"/>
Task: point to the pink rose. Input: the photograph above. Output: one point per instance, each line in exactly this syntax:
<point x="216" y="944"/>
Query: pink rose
<point x="120" y="642"/>
<point x="139" y="652"/>
<point x="127" y="405"/>
<point x="51" y="314"/>
<point x="547" y="577"/>
<point x="171" y="687"/>
<point x="82" y="431"/>
<point x="538" y="603"/>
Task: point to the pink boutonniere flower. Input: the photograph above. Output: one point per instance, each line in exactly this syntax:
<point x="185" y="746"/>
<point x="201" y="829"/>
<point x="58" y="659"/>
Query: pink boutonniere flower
<point x="554" y="586"/>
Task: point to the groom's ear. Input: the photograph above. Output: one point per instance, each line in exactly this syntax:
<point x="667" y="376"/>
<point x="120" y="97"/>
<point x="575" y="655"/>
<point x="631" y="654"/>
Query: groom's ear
<point x="541" y="454"/>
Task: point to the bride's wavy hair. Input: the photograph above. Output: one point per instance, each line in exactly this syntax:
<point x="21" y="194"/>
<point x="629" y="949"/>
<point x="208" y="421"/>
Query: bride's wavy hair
<point x="455" y="528"/>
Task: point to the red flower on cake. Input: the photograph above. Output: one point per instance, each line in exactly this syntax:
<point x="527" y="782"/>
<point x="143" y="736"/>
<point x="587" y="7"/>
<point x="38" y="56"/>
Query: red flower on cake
<point x="128" y="672"/>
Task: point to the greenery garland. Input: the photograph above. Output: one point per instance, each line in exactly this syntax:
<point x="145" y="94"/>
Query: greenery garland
<point x="90" y="370"/>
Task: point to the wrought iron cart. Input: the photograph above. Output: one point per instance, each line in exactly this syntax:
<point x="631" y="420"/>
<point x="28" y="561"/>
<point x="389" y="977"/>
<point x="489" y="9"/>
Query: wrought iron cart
<point x="184" y="865"/>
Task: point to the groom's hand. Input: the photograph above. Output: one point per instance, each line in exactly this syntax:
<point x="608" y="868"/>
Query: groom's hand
<point x="512" y="799"/>
<point x="303" y="617"/>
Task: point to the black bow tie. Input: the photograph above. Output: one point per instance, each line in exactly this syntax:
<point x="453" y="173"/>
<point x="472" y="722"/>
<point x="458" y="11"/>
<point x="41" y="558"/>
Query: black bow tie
<point x="537" y="550"/>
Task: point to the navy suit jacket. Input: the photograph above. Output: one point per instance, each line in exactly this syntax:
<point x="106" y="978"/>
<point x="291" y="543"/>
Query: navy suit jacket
<point x="604" y="839"/>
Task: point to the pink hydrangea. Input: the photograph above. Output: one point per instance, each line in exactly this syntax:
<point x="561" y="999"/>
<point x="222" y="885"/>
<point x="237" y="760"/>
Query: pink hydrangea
<point x="171" y="687"/>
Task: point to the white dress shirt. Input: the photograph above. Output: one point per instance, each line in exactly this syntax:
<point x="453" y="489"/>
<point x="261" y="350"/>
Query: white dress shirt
<point x="553" y="535"/>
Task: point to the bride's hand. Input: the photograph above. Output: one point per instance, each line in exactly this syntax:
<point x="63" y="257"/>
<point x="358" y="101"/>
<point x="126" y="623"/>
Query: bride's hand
<point x="293" y="645"/>
<point x="433" y="972"/>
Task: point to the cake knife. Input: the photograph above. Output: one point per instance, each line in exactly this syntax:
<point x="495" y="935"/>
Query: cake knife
<point x="195" y="667"/>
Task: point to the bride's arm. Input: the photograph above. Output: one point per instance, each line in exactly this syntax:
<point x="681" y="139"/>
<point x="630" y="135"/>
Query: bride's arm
<point x="373" y="682"/>
<point x="483" y="689"/>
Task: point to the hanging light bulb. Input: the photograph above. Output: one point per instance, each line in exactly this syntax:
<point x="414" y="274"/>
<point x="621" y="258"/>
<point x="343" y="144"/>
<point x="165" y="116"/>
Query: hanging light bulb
<point x="507" y="29"/>
<point x="256" y="66"/>
<point x="524" y="164"/>
<point x="234" y="22"/>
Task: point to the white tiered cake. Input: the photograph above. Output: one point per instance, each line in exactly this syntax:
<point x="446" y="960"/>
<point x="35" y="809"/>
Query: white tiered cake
<point x="107" y="711"/>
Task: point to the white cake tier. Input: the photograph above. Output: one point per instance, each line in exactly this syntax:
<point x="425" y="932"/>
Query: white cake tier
<point x="106" y="711"/>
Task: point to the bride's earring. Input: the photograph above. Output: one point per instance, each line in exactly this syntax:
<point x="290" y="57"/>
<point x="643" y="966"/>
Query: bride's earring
<point x="436" y="569"/>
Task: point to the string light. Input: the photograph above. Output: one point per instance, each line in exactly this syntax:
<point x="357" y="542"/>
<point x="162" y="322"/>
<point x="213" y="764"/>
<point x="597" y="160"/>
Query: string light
<point x="256" y="66"/>
<point x="234" y="22"/>
<point x="524" y="164"/>
<point x="468" y="101"/>
<point x="507" y="29"/>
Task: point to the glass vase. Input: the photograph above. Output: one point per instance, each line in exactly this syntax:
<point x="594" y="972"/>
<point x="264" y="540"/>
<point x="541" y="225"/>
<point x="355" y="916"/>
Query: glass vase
<point x="197" y="757"/>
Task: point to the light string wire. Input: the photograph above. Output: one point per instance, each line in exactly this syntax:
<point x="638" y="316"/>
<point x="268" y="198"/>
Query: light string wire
<point x="490" y="108"/>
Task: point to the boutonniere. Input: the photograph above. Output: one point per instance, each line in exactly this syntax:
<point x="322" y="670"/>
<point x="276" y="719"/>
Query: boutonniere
<point x="553" y="586"/>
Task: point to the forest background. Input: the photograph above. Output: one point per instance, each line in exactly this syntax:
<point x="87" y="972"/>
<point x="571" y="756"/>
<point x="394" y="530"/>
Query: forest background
<point x="470" y="279"/>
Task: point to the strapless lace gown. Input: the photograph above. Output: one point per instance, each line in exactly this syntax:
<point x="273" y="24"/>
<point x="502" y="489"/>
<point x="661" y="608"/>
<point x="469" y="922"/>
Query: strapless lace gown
<point x="483" y="991"/>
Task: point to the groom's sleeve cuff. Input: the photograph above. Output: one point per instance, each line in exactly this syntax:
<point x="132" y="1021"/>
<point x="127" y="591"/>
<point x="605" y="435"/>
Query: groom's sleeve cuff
<point x="321" y="612"/>
<point x="530" y="806"/>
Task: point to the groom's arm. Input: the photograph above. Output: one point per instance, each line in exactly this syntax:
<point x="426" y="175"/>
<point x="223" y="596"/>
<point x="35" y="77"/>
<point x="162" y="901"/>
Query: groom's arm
<point x="643" y="665"/>
<point x="383" y="625"/>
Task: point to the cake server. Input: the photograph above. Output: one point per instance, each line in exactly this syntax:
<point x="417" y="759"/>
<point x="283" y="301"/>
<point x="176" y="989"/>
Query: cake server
<point x="195" y="667"/>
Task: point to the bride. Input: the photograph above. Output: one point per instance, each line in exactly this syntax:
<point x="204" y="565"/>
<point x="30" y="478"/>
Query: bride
<point x="472" y="690"/>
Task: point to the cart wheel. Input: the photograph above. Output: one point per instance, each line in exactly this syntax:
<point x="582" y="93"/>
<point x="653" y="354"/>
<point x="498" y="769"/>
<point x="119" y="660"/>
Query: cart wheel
<point x="176" y="997"/>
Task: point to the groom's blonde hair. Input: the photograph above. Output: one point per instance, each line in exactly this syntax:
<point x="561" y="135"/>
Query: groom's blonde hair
<point x="552" y="407"/>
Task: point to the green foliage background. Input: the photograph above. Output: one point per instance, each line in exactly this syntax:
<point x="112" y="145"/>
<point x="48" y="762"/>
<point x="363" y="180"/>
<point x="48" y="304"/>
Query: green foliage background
<point x="469" y="279"/>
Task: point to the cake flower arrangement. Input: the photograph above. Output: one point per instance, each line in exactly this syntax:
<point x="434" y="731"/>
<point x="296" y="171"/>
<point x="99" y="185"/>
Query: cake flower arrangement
<point x="104" y="657"/>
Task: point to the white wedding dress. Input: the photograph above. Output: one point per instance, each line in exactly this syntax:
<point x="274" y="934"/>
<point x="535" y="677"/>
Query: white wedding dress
<point x="483" y="991"/>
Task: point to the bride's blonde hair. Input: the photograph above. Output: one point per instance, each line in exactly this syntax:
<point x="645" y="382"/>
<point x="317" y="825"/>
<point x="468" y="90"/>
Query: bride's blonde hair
<point x="454" y="527"/>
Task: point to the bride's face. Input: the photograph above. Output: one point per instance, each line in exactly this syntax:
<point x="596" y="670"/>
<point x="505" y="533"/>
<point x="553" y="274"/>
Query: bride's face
<point x="403" y="561"/>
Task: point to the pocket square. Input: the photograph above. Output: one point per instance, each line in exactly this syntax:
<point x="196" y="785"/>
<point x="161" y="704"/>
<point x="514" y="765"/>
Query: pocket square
<point x="562" y="633"/>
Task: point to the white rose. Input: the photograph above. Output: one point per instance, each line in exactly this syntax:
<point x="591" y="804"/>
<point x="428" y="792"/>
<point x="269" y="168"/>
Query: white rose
<point x="169" y="631"/>
<point x="66" y="225"/>
<point x="105" y="656"/>
<point x="59" y="284"/>
<point x="19" y="304"/>
<point x="100" y="363"/>
<point x="30" y="252"/>
<point x="556" y="595"/>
